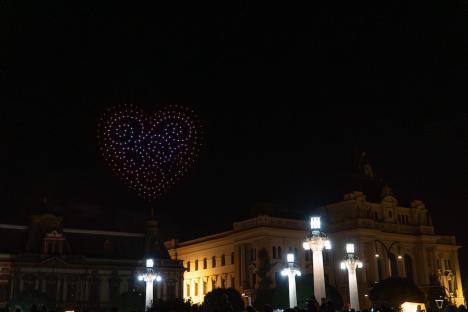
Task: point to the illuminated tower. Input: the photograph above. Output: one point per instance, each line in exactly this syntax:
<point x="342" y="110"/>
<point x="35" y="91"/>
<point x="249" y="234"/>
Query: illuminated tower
<point x="149" y="277"/>
<point x="351" y="264"/>
<point x="291" y="273"/>
<point x="316" y="242"/>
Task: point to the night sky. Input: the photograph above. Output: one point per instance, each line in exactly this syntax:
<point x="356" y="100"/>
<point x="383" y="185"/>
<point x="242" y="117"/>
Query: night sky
<point x="287" y="95"/>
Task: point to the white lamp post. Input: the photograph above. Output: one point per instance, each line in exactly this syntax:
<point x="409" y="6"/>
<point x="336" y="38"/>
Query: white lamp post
<point x="351" y="264"/>
<point x="316" y="242"/>
<point x="149" y="277"/>
<point x="290" y="271"/>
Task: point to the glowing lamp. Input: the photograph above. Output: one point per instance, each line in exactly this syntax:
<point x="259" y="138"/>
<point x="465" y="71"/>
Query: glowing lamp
<point x="284" y="272"/>
<point x="359" y="265"/>
<point x="328" y="245"/>
<point x="290" y="257"/>
<point x="377" y="255"/>
<point x="342" y="265"/>
<point x="149" y="263"/>
<point x="140" y="277"/>
<point x="439" y="303"/>
<point x="315" y="223"/>
<point x="400" y="257"/>
<point x="306" y="245"/>
<point x="350" y="248"/>
<point x="158" y="278"/>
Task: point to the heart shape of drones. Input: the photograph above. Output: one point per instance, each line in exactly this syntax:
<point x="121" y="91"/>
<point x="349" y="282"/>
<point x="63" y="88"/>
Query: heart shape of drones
<point x="149" y="151"/>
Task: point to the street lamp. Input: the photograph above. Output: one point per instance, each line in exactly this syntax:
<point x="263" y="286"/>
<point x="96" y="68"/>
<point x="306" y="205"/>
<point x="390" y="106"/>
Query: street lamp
<point x="149" y="277"/>
<point x="352" y="263"/>
<point x="316" y="242"/>
<point x="291" y="271"/>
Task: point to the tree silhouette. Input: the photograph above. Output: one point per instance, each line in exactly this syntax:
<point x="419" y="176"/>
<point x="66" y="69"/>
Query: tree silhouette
<point x="264" y="291"/>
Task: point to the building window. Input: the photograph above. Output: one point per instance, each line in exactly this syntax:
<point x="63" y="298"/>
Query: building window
<point x="204" y="288"/>
<point x="274" y="252"/>
<point x="254" y="280"/>
<point x="233" y="282"/>
<point x="409" y="267"/>
<point x="213" y="262"/>
<point x="196" y="289"/>
<point x="223" y="260"/>
<point x="205" y="264"/>
<point x="213" y="284"/>
<point x="232" y="257"/>
<point x="223" y="283"/>
<point x="279" y="252"/>
<point x="196" y="265"/>
<point x="393" y="265"/>
<point x="188" y="266"/>
<point x="390" y="214"/>
<point x="188" y="290"/>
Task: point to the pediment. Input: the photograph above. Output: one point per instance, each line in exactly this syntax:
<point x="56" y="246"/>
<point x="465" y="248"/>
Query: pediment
<point x="54" y="261"/>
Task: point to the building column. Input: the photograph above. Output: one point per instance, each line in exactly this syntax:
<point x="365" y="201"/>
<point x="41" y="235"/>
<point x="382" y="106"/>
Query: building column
<point x="459" y="288"/>
<point x="12" y="286"/>
<point x="243" y="266"/>
<point x="104" y="290"/>
<point x="64" y="289"/>
<point x="177" y="285"/>
<point x="164" y="288"/>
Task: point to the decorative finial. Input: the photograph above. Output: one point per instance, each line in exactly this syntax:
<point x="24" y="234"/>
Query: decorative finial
<point x="386" y="191"/>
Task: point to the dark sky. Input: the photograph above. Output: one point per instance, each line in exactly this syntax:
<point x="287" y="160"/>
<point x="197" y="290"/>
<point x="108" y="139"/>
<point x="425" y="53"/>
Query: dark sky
<point x="286" y="94"/>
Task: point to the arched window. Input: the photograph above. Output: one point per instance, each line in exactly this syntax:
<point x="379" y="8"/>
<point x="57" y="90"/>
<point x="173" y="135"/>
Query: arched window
<point x="223" y="260"/>
<point x="205" y="264"/>
<point x="379" y="269"/>
<point x="390" y="214"/>
<point x="376" y="216"/>
<point x="279" y="252"/>
<point x="409" y="267"/>
<point x="393" y="265"/>
<point x="188" y="266"/>
<point x="274" y="252"/>
<point x="232" y="257"/>
<point x="213" y="262"/>
<point x="196" y="265"/>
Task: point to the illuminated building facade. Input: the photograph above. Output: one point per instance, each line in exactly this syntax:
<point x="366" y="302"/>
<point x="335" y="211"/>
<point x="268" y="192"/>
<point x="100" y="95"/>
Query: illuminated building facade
<point x="391" y="240"/>
<point x="67" y="268"/>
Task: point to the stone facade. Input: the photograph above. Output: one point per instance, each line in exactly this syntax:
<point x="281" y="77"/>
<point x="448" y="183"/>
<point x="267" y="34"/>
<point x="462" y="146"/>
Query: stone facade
<point x="68" y="268"/>
<point x="391" y="240"/>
